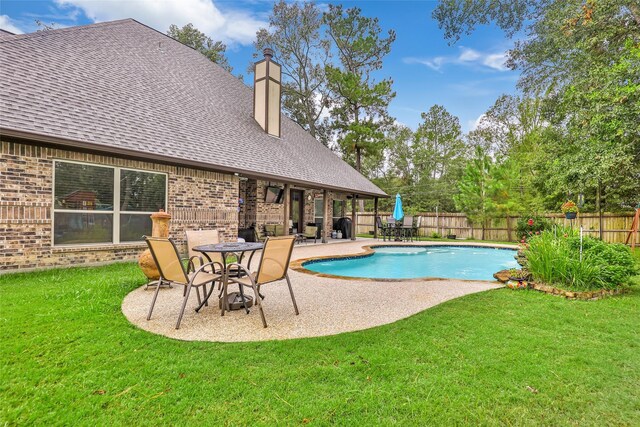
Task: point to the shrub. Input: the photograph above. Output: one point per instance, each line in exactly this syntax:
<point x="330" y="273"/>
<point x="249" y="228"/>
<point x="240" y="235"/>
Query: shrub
<point x="435" y="235"/>
<point x="531" y="225"/>
<point x="556" y="260"/>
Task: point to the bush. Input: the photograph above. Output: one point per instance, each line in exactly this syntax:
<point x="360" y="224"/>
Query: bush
<point x="531" y="225"/>
<point x="435" y="235"/>
<point x="556" y="260"/>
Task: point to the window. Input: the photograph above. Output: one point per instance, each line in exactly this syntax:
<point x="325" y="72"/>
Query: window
<point x="318" y="210"/>
<point x="101" y="204"/>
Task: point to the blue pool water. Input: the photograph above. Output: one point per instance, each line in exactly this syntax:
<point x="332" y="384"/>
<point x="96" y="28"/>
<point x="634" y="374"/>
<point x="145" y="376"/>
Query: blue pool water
<point x="406" y="262"/>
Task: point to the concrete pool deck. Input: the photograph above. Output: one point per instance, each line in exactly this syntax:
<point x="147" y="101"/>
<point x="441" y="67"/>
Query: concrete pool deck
<point x="327" y="305"/>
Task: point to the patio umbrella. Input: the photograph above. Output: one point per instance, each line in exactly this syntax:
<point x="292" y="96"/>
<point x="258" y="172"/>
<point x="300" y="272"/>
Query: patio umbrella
<point x="398" y="213"/>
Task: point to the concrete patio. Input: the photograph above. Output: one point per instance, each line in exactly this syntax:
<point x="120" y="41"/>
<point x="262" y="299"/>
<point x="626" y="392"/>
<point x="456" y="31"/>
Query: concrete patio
<point x="327" y="306"/>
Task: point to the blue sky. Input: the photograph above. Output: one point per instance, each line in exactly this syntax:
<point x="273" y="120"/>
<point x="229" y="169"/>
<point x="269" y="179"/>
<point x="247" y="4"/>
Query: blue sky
<point x="466" y="78"/>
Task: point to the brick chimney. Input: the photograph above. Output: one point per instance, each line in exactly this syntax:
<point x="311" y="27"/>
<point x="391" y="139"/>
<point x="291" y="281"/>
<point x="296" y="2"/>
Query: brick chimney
<point x="266" y="94"/>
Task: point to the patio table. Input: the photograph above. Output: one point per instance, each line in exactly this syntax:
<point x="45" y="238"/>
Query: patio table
<point x="224" y="249"/>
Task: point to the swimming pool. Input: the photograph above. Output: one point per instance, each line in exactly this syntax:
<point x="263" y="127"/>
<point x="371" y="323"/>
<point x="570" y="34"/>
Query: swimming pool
<point x="409" y="262"/>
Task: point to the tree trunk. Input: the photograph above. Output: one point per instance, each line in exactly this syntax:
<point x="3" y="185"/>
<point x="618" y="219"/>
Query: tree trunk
<point x="358" y="160"/>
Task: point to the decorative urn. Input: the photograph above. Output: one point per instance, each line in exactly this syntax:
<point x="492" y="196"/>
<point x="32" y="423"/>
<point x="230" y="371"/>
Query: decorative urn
<point x="160" y="228"/>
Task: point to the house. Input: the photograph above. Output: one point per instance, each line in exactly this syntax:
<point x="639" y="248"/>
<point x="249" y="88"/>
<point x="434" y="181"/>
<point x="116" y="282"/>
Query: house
<point x="104" y="124"/>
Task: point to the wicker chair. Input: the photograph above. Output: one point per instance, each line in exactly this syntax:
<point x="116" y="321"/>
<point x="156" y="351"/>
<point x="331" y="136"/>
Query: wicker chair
<point x="273" y="267"/>
<point x="172" y="271"/>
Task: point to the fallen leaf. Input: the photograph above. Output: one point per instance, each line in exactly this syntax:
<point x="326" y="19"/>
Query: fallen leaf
<point x="532" y="389"/>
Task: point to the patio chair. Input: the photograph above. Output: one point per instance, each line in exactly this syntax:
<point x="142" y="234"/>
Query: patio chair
<point x="407" y="228"/>
<point x="274" y="230"/>
<point x="198" y="238"/>
<point x="204" y="237"/>
<point x="383" y="229"/>
<point x="273" y="267"/>
<point x="391" y="227"/>
<point x="311" y="232"/>
<point x="260" y="236"/>
<point x="417" y="221"/>
<point x="172" y="271"/>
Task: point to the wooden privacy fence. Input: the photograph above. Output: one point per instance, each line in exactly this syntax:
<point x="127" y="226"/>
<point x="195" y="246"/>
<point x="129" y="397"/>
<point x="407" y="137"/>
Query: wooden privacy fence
<point x="615" y="227"/>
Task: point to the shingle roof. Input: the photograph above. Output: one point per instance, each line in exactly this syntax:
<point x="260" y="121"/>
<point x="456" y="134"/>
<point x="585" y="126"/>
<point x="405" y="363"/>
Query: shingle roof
<point x="123" y="87"/>
<point x="5" y="34"/>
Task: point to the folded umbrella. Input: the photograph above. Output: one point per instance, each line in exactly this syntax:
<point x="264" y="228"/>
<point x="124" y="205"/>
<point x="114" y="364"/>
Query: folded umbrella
<point x="398" y="213"/>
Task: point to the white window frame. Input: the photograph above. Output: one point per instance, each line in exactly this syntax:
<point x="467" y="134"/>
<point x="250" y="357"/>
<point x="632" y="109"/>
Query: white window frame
<point x="116" y="212"/>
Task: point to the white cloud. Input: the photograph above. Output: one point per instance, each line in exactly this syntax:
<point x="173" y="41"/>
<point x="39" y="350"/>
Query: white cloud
<point x="473" y="124"/>
<point x="467" y="57"/>
<point x="496" y="61"/>
<point x="8" y="24"/>
<point x="232" y="26"/>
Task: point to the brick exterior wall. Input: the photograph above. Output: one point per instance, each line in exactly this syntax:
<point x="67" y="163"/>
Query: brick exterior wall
<point x="256" y="211"/>
<point x="196" y="199"/>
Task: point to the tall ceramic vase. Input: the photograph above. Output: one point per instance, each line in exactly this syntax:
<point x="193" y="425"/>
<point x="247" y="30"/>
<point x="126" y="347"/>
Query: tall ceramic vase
<point x="160" y="228"/>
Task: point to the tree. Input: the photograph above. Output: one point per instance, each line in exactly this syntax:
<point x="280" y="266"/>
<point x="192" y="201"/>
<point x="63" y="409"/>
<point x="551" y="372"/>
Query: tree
<point x="296" y="37"/>
<point x="583" y="57"/>
<point x="42" y="26"/>
<point x="194" y="38"/>
<point x="481" y="193"/>
<point x="395" y="175"/>
<point x="439" y="154"/>
<point x="358" y="103"/>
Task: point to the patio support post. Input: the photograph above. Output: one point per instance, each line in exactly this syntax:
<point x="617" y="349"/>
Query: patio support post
<point x="325" y="214"/>
<point x="353" y="218"/>
<point x="287" y="207"/>
<point x="375" y="218"/>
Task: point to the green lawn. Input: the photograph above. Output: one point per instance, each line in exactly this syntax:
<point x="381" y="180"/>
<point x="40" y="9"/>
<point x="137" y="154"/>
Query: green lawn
<point x="69" y="357"/>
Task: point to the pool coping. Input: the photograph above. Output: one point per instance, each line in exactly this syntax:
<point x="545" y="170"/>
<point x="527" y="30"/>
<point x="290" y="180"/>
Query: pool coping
<point x="369" y="250"/>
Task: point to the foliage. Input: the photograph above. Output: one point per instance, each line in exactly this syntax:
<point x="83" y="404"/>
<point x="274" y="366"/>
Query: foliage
<point x="439" y="154"/>
<point x="358" y="103"/>
<point x="70" y="357"/>
<point x="297" y="38"/>
<point x="556" y="260"/>
<point x="569" y="206"/>
<point x="579" y="62"/>
<point x="517" y="273"/>
<point x="481" y="193"/>
<point x="531" y="225"/>
<point x="192" y="37"/>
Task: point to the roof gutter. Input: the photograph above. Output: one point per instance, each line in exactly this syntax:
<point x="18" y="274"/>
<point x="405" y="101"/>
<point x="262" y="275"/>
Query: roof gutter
<point x="65" y="142"/>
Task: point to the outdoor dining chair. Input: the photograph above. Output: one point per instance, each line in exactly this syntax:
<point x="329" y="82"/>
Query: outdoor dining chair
<point x="407" y="228"/>
<point x="273" y="267"/>
<point x="199" y="238"/>
<point x="204" y="237"/>
<point x="172" y="271"/>
<point x="417" y="221"/>
<point x="384" y="230"/>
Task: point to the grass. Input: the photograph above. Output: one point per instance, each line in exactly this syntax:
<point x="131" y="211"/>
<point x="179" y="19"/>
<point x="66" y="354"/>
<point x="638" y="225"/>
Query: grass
<point x="500" y="357"/>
